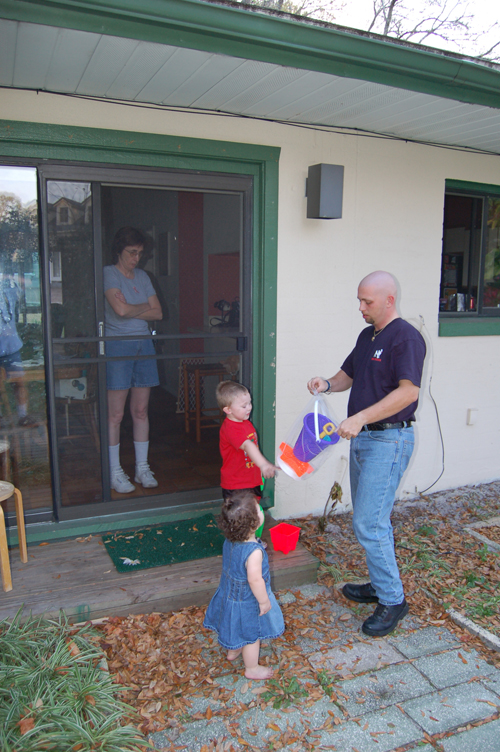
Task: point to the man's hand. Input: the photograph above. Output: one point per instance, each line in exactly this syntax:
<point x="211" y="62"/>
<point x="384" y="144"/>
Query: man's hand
<point x="350" y="427"/>
<point x="317" y="384"/>
<point x="338" y="383"/>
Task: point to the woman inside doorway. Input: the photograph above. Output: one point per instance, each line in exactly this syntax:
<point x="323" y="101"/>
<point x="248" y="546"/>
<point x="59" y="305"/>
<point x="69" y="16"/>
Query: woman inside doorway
<point x="130" y="302"/>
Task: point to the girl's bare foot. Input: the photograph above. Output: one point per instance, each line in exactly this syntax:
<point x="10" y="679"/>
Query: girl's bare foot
<point x="233" y="654"/>
<point x="259" y="673"/>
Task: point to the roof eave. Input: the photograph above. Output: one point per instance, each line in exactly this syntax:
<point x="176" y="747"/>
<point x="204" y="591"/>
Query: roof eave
<point x="282" y="41"/>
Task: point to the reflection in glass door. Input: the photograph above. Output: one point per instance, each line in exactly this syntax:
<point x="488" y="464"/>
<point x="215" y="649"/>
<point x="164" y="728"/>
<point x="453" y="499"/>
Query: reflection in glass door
<point x="75" y="419"/>
<point x="24" y="451"/>
<point x="150" y="308"/>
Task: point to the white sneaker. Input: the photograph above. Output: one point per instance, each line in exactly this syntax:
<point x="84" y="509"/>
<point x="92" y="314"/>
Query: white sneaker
<point x="120" y="481"/>
<point x="145" y="476"/>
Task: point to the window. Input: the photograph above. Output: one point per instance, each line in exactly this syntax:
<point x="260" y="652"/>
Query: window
<point x="470" y="269"/>
<point x="55" y="267"/>
<point x="62" y="215"/>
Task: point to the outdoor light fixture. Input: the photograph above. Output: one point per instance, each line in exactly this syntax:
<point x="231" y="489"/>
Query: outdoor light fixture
<point x="324" y="190"/>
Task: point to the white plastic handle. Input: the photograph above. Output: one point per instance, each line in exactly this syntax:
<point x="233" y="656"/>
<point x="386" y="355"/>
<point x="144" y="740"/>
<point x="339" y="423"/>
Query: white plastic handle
<point x="316" y="420"/>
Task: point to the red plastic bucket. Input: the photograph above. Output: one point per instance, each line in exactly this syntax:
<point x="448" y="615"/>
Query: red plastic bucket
<point x="284" y="537"/>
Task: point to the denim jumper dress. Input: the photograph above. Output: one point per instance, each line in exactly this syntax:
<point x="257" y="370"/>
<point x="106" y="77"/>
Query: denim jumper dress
<point x="233" y="612"/>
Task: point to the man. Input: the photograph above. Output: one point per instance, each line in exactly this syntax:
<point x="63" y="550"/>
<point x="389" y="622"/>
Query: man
<point x="383" y="372"/>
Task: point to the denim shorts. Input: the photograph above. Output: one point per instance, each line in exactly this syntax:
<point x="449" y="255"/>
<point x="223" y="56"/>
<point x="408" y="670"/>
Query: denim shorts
<point x="123" y="374"/>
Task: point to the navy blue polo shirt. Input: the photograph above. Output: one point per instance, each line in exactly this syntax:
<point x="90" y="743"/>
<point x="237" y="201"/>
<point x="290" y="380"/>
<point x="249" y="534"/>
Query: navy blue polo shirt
<point x="378" y="366"/>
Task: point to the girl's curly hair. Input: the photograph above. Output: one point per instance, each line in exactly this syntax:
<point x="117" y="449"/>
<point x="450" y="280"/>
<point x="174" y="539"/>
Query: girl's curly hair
<point x="239" y="516"/>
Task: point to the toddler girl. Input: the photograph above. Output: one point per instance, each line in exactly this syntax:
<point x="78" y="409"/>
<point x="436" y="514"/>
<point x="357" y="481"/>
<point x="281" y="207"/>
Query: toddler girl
<point x="244" y="610"/>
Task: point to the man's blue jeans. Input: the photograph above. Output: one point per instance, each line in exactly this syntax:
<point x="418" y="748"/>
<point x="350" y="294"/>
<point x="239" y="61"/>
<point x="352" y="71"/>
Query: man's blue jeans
<point x="378" y="461"/>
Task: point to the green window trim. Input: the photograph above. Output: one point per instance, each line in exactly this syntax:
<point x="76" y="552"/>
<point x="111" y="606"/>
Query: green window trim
<point x="476" y="327"/>
<point x="468" y="187"/>
<point x="39" y="141"/>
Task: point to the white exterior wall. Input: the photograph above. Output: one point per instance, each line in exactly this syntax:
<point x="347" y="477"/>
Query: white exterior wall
<point x="392" y="220"/>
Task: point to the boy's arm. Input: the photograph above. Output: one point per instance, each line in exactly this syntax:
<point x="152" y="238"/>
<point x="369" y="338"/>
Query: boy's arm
<point x="267" y="469"/>
<point x="256" y="581"/>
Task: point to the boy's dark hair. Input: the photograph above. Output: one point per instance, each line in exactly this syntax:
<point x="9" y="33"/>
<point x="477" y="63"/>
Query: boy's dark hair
<point x="239" y="516"/>
<point x="227" y="391"/>
<point x="126" y="236"/>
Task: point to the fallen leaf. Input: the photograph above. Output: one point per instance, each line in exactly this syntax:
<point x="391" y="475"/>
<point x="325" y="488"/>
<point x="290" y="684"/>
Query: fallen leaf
<point x="73" y="648"/>
<point x="26" y="724"/>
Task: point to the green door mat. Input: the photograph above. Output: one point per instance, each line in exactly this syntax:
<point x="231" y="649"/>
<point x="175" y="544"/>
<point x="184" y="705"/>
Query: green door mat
<point x="156" y="546"/>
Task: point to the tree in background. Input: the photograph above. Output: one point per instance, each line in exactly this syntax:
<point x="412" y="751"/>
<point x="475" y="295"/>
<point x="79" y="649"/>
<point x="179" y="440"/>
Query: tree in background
<point x="432" y="21"/>
<point x="324" y="11"/>
<point x="451" y="24"/>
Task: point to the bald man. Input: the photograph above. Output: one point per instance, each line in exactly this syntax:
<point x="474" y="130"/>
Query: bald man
<point x="383" y="372"/>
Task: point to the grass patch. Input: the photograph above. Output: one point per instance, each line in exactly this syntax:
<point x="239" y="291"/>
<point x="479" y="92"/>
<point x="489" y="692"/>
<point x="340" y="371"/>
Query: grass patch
<point x="56" y="694"/>
<point x="283" y="693"/>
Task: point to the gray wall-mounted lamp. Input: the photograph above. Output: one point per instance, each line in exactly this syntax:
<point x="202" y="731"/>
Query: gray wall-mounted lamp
<point x="324" y="191"/>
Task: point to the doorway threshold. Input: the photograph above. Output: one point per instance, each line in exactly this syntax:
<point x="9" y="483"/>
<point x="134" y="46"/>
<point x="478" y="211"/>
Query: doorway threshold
<point x="45" y="532"/>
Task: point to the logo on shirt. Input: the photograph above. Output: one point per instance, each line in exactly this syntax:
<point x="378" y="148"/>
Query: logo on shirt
<point x="135" y="289"/>
<point x="377" y="355"/>
<point x="248" y="462"/>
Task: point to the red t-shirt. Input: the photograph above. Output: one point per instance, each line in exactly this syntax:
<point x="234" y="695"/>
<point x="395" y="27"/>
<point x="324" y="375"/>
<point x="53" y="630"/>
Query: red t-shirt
<point x="238" y="470"/>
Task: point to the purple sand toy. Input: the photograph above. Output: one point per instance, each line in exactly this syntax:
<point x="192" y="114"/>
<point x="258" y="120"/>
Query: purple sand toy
<point x="307" y="445"/>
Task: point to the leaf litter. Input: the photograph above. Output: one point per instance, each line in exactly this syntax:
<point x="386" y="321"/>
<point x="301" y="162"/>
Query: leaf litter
<point x="170" y="663"/>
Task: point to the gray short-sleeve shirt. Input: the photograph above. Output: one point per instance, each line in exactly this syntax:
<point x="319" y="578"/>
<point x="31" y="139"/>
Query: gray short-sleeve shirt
<point x="136" y="290"/>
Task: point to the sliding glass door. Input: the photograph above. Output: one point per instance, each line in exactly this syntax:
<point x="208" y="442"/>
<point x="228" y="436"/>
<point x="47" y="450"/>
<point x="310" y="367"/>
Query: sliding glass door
<point x="122" y="373"/>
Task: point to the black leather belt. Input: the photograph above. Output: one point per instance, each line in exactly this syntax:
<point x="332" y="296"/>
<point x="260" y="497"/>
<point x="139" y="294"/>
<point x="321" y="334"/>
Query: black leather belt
<point x="384" y="426"/>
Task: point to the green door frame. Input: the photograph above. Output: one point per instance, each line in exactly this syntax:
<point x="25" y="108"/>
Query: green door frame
<point x="36" y="141"/>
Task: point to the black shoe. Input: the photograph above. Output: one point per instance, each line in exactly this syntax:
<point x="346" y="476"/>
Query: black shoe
<point x="385" y="619"/>
<point x="360" y="593"/>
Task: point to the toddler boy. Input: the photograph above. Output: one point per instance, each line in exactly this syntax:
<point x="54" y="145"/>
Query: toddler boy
<point x="243" y="464"/>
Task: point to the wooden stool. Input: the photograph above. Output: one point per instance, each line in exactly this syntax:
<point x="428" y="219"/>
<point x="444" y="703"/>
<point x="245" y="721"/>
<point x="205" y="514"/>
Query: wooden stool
<point x="200" y="371"/>
<point x="6" y="491"/>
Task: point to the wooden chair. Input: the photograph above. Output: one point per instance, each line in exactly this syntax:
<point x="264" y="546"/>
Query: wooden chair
<point x="199" y="414"/>
<point x="6" y="491"/>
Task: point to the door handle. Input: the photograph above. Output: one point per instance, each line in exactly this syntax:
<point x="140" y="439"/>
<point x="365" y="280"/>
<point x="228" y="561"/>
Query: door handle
<point x="101" y="334"/>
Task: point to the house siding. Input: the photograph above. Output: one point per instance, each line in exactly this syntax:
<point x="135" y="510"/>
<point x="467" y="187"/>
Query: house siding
<point x="392" y="219"/>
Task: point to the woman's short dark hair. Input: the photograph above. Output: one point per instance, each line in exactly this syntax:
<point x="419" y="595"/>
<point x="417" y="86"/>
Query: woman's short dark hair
<point x="126" y="236"/>
<point x="239" y="516"/>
